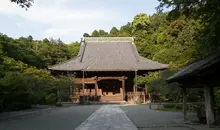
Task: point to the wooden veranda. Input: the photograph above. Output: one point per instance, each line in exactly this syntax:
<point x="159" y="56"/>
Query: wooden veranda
<point x="95" y="80"/>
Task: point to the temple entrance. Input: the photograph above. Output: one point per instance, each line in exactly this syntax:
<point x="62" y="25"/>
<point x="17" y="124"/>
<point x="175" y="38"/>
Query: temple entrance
<point x="110" y="87"/>
<point x="111" y="90"/>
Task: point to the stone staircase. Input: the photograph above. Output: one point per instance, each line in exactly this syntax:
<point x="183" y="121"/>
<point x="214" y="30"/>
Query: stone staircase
<point x="115" y="98"/>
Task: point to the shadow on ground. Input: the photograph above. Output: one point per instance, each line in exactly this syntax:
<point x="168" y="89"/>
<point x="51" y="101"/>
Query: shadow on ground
<point x="147" y="119"/>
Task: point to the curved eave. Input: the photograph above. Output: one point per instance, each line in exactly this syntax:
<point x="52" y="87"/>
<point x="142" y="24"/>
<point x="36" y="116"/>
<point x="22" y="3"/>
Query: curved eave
<point x="64" y="69"/>
<point x="156" y="69"/>
<point x="194" y="68"/>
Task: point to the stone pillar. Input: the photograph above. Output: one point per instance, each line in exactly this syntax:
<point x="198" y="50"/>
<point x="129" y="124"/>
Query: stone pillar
<point x="208" y="106"/>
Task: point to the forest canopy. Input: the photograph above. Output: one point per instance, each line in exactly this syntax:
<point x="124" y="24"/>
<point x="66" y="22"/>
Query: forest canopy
<point x="24" y="79"/>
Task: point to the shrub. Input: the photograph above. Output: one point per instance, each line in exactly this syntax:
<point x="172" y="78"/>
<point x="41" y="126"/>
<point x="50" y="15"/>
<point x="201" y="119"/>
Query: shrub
<point x="51" y="99"/>
<point x="1" y="105"/>
<point x="17" y="91"/>
<point x="59" y="104"/>
<point x="168" y="105"/>
<point x="217" y="96"/>
<point x="179" y="106"/>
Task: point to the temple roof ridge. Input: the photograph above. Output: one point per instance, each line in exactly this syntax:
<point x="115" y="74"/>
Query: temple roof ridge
<point x="108" y="39"/>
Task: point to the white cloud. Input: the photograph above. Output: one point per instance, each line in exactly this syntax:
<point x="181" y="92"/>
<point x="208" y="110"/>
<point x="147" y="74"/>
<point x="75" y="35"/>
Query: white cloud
<point x="62" y="21"/>
<point x="19" y="25"/>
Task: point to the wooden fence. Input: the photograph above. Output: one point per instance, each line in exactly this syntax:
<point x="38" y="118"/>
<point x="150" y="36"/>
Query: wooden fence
<point x="137" y="97"/>
<point x="190" y="106"/>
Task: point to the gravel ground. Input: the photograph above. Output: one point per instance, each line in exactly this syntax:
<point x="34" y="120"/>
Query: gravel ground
<point x="146" y="119"/>
<point x="64" y="118"/>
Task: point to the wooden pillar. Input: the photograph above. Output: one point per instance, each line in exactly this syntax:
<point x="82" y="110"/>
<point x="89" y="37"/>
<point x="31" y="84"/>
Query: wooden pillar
<point x="96" y="88"/>
<point x="208" y="106"/>
<point x="135" y="89"/>
<point x="184" y="103"/>
<point x="100" y="91"/>
<point x="123" y="87"/>
<point x="83" y="87"/>
<point x="121" y="92"/>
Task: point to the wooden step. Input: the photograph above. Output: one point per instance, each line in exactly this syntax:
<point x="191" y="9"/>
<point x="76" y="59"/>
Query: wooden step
<point x="111" y="98"/>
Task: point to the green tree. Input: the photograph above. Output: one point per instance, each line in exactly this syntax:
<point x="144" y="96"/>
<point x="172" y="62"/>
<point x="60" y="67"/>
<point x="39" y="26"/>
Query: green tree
<point x="141" y="22"/>
<point x="86" y="35"/>
<point x="207" y="11"/>
<point x="45" y="40"/>
<point x="126" y="30"/>
<point x="95" y="33"/>
<point x="23" y="3"/>
<point x="29" y="38"/>
<point x="1" y="60"/>
<point x="9" y="64"/>
<point x="73" y="48"/>
<point x="114" y="32"/>
<point x="102" y="33"/>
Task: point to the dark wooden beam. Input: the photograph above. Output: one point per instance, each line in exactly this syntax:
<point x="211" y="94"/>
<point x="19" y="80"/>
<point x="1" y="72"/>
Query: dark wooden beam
<point x="85" y="80"/>
<point x="112" y="78"/>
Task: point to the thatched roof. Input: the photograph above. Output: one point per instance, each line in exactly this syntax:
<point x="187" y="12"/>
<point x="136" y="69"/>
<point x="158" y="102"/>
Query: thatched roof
<point x="195" y="67"/>
<point x="108" y="54"/>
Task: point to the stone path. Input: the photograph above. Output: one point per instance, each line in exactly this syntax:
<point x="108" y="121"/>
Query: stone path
<point x="108" y="117"/>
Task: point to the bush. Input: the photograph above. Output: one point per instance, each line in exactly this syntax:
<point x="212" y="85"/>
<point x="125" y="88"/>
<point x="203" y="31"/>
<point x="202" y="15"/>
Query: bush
<point x="179" y="106"/>
<point x="217" y="96"/>
<point x="16" y="90"/>
<point x="168" y="105"/>
<point x="1" y="105"/>
<point x="59" y="104"/>
<point x="17" y="106"/>
<point x="51" y="99"/>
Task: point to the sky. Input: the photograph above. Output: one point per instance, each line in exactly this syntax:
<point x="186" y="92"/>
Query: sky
<point x="69" y="19"/>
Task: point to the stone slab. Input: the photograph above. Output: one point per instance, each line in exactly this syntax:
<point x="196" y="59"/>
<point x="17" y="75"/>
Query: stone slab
<point x="108" y="117"/>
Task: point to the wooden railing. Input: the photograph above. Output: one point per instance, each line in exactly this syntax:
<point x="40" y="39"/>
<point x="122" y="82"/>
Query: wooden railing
<point x="190" y="106"/>
<point x="136" y="97"/>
